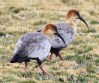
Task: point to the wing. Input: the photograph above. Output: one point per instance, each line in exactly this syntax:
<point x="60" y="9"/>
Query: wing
<point x="67" y="32"/>
<point x="28" y="43"/>
<point x="41" y="51"/>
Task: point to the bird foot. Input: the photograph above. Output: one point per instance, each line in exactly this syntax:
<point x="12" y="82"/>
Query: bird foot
<point x="62" y="59"/>
<point x="44" y="73"/>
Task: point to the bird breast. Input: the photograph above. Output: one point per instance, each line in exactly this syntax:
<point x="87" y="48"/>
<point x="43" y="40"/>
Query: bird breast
<point x="33" y="45"/>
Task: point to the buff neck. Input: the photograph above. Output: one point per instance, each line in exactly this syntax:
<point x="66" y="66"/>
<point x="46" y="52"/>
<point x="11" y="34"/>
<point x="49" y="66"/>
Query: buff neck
<point x="73" y="23"/>
<point x="49" y="34"/>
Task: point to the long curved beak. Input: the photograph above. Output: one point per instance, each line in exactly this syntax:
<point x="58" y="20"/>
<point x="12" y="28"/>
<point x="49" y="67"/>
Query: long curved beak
<point x="79" y="17"/>
<point x="60" y="37"/>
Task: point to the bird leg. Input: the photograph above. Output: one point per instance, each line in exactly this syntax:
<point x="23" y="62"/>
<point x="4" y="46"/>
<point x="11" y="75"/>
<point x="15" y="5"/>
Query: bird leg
<point x="25" y="67"/>
<point x="50" y="57"/>
<point x="40" y="65"/>
<point x="60" y="57"/>
<point x="43" y="71"/>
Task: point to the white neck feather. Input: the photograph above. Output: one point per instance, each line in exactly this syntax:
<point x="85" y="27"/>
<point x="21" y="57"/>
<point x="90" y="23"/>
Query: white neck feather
<point x="73" y="23"/>
<point x="49" y="34"/>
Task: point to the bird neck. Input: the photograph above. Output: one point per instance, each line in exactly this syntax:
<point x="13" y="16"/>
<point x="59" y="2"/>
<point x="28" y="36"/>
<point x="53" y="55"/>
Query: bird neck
<point x="72" y="22"/>
<point x="49" y="34"/>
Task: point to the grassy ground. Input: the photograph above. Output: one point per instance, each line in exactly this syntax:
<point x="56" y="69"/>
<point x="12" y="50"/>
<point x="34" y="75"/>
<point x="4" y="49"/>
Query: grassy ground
<point x="81" y="63"/>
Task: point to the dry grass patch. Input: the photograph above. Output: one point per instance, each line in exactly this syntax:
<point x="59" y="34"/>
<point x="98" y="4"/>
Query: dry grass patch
<point x="81" y="57"/>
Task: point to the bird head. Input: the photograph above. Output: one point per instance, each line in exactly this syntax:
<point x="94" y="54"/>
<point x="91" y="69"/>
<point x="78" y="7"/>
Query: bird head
<point x="72" y="17"/>
<point x="50" y="30"/>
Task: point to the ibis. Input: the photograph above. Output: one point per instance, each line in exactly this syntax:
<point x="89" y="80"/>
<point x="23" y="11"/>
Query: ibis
<point x="67" y="30"/>
<point x="34" y="46"/>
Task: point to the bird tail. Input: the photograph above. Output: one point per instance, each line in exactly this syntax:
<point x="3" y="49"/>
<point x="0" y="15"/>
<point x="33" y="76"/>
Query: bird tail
<point x="17" y="58"/>
<point x="14" y="58"/>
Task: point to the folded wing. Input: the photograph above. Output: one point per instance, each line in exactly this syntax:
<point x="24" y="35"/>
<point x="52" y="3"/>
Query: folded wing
<point x="33" y="45"/>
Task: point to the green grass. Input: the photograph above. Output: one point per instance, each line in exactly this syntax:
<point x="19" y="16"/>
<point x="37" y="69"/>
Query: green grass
<point x="81" y="57"/>
<point x="15" y="10"/>
<point x="39" y="22"/>
<point x="2" y="34"/>
<point x="94" y="22"/>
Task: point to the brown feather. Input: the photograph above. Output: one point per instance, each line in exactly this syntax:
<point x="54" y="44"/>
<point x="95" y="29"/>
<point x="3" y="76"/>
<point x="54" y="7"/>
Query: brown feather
<point x="71" y="13"/>
<point x="49" y="30"/>
<point x="50" y="27"/>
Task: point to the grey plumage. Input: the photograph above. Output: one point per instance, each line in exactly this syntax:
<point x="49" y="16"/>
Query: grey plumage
<point x="66" y="31"/>
<point x="32" y="45"/>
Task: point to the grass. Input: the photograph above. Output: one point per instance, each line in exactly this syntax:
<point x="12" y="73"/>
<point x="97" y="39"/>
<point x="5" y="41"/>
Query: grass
<point x="15" y="10"/>
<point x="2" y="34"/>
<point x="94" y="22"/>
<point x="81" y="57"/>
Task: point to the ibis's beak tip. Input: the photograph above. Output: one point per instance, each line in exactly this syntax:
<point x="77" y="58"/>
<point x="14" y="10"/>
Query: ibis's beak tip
<point x="83" y="21"/>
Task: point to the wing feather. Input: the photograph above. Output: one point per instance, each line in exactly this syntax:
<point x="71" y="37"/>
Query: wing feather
<point x="28" y="43"/>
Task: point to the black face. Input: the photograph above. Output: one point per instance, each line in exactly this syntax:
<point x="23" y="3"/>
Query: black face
<point x="79" y="17"/>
